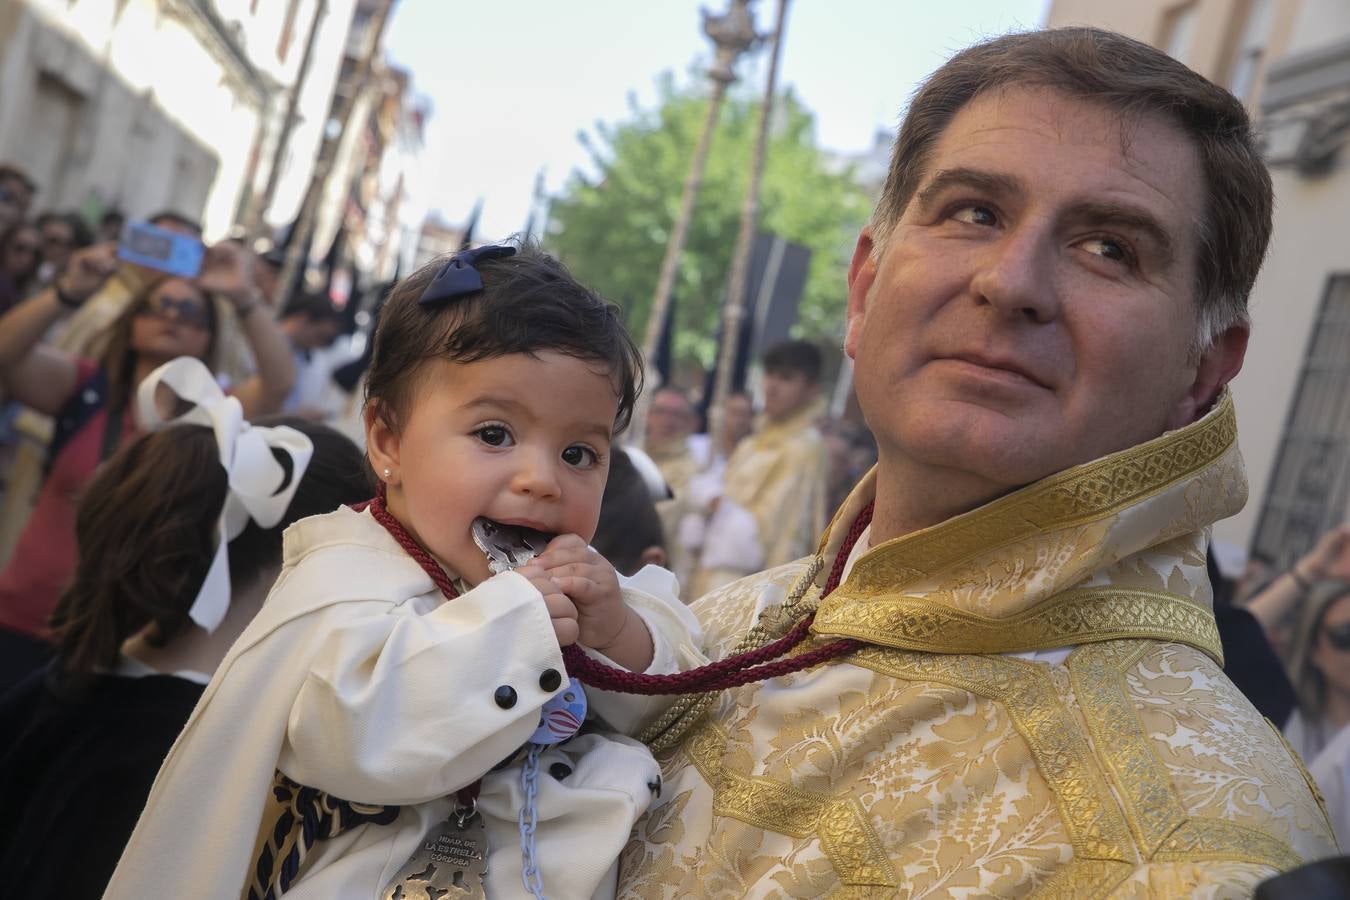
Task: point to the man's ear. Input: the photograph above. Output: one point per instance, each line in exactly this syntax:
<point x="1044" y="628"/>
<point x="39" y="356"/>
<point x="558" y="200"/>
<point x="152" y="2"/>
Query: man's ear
<point x="382" y="443"/>
<point x="1218" y="366"/>
<point x="862" y="271"/>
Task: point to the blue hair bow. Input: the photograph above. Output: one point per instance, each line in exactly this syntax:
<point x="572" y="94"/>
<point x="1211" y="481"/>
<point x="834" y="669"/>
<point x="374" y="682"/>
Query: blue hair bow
<point x="458" y="277"/>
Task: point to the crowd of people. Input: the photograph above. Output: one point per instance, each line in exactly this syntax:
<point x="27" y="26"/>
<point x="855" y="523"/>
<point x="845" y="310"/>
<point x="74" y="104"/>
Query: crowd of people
<point x="761" y="498"/>
<point x="429" y="620"/>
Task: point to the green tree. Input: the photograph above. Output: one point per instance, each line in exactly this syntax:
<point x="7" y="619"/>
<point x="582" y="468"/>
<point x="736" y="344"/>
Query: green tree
<point x="612" y="230"/>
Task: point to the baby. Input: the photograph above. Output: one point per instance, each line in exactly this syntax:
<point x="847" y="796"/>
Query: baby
<point x="389" y="725"/>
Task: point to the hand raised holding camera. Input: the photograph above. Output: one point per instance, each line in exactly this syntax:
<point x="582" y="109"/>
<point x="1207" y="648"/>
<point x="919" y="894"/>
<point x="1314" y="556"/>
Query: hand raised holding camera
<point x="86" y="273"/>
<point x="227" y="270"/>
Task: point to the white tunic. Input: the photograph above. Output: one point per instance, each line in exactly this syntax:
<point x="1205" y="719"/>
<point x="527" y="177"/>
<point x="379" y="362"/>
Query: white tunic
<point x="357" y="679"/>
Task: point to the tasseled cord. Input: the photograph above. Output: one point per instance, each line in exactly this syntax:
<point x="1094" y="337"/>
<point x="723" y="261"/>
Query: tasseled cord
<point x="755" y="664"/>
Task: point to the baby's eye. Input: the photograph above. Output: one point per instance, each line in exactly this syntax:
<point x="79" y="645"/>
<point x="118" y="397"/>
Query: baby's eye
<point x="494" y="435"/>
<point x="579" y="456"/>
<point x="975" y="214"/>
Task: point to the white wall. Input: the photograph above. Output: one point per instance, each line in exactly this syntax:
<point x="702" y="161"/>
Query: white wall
<point x="1319" y="22"/>
<point x="1312" y="224"/>
<point x="1311" y="242"/>
<point x="161" y="119"/>
<point x="315" y="99"/>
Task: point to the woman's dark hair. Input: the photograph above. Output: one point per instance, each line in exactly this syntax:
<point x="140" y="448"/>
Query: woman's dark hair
<point x="1308" y="679"/>
<point x="146" y="531"/>
<point x="629" y="523"/>
<point x="530" y="303"/>
<point x="119" y="359"/>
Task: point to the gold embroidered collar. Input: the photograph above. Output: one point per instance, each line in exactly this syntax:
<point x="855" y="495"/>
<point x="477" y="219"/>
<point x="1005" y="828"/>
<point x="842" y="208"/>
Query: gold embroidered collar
<point x="1043" y="567"/>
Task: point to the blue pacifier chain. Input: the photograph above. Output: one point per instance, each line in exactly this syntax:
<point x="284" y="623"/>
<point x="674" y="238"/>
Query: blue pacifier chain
<point x="562" y="716"/>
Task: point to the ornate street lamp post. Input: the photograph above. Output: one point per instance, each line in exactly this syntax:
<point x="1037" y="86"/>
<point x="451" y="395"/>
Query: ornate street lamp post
<point x="732" y="34"/>
<point x="733" y="309"/>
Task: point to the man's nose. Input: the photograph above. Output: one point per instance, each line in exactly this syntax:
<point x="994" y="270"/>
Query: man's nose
<point x="1015" y="275"/>
<point x="536" y="474"/>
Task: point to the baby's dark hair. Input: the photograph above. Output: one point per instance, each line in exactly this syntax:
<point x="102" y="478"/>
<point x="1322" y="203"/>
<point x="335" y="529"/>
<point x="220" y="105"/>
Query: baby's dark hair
<point x="529" y="304"/>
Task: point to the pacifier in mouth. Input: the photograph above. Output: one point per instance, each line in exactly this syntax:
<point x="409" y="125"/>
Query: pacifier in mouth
<point x="507" y="547"/>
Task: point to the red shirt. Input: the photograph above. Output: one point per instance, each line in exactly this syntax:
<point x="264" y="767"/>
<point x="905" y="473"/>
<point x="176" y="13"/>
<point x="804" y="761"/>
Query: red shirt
<point x="44" y="558"/>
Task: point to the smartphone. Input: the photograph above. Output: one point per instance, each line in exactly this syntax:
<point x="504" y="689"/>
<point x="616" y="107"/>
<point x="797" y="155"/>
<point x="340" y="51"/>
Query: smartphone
<point x="158" y="248"/>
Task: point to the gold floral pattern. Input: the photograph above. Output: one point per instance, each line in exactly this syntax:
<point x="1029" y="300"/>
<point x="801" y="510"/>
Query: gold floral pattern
<point x="929" y="764"/>
<point x="838" y="822"/>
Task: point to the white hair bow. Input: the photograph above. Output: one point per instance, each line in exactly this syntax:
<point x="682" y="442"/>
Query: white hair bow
<point x="255" y="477"/>
<point x="657" y="487"/>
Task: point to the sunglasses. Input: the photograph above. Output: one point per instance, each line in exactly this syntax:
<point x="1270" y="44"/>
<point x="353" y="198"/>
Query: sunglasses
<point x="1338" y="635"/>
<point x="184" y="310"/>
<point x="56" y="240"/>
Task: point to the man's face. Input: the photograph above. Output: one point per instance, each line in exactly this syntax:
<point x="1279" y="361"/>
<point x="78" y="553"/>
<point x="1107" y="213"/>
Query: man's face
<point x="22" y="253"/>
<point x="1034" y="306"/>
<point x="58" y="240"/>
<point x="786" y="392"/>
<point x="670" y="418"/>
<point x="14" y="201"/>
<point x="739" y="415"/>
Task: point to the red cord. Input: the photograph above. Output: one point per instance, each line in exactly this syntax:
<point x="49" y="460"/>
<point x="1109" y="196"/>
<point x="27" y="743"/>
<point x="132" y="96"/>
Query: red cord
<point x="743" y="668"/>
<point x="414" y="549"/>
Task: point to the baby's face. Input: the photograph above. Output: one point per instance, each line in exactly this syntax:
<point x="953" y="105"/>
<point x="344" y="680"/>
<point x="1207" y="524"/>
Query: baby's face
<point x="519" y="440"/>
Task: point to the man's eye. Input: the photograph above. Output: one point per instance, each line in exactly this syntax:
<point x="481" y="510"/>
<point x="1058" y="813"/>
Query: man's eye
<point x="975" y="214"/>
<point x="579" y="456"/>
<point x="1108" y="248"/>
<point x="493" y="435"/>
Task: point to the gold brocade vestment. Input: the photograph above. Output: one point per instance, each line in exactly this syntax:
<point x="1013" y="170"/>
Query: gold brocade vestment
<point x="935" y="763"/>
<point x="678" y="466"/>
<point x="778" y="474"/>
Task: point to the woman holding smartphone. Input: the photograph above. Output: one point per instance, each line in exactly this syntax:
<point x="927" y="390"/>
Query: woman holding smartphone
<point x="90" y="400"/>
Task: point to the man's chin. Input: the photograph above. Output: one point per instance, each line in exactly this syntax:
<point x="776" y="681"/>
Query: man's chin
<point x="1000" y="451"/>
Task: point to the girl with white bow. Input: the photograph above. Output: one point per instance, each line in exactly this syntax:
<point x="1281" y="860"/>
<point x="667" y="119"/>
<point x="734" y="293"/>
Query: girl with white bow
<point x="180" y="538"/>
<point x="90" y="400"/>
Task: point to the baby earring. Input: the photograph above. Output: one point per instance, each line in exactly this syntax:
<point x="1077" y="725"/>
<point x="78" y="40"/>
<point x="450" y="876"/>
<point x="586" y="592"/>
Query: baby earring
<point x="387" y="473"/>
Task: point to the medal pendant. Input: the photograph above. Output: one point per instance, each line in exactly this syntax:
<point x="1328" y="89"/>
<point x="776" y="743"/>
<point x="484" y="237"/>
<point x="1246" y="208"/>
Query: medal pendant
<point x="449" y="863"/>
<point x="507" y="547"/>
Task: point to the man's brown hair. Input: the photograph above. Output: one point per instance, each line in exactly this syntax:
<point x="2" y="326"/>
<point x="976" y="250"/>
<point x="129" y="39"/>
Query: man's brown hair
<point x="1135" y="80"/>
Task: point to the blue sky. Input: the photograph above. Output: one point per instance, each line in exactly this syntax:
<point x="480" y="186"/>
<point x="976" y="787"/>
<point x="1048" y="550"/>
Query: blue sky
<point x="511" y="85"/>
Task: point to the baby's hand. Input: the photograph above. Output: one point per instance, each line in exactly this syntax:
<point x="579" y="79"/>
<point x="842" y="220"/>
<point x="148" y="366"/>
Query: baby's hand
<point x="590" y="581"/>
<point x="561" y="609"/>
